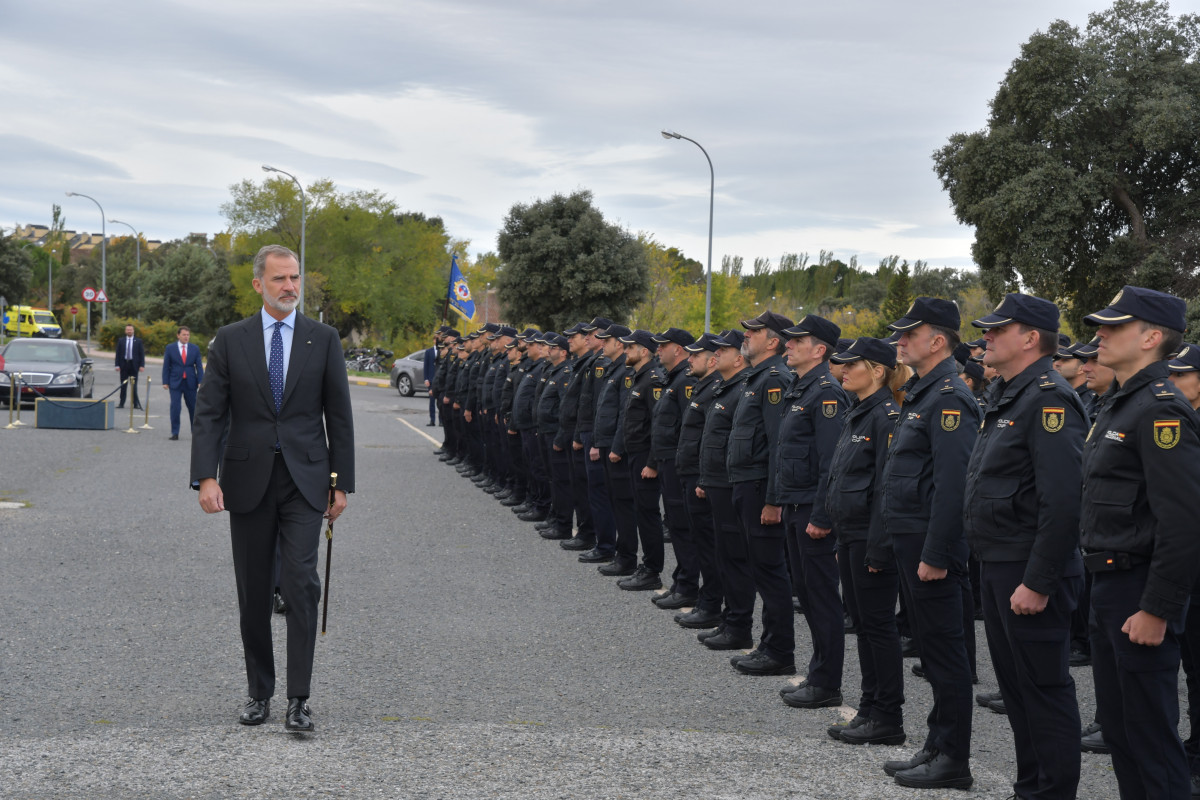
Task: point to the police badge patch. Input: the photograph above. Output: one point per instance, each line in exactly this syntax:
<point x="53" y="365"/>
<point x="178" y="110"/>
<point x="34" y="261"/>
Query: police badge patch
<point x="950" y="419"/>
<point x="599" y="372"/>
<point x="829" y="408"/>
<point x="687" y="392"/>
<point x="1053" y="419"/>
<point x="628" y="382"/>
<point x="656" y="392"/>
<point x="774" y="395"/>
<point x="1166" y="433"/>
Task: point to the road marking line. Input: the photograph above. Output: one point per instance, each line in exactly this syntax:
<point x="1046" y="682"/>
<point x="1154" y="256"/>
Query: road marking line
<point x="418" y="431"/>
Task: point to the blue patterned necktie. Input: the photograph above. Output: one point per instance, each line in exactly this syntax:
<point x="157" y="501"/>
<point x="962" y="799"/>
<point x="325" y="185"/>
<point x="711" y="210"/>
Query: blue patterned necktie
<point x="275" y="366"/>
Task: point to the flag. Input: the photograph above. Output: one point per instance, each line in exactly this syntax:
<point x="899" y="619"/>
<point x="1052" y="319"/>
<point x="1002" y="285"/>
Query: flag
<point x="460" y="295"/>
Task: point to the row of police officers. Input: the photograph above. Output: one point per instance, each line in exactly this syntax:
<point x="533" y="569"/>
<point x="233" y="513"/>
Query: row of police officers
<point x="785" y="465"/>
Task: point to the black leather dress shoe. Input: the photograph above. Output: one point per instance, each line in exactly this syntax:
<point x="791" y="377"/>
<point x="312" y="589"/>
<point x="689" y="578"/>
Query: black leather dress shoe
<point x="875" y="732"/>
<point x="1092" y="740"/>
<point x="595" y="557"/>
<point x="617" y="568"/>
<point x="503" y="493"/>
<point x="512" y="501"/>
<point x="641" y="580"/>
<point x="280" y="606"/>
<point x="704" y="635"/>
<point x="835" y="731"/>
<point x="532" y="515"/>
<point x="892" y="767"/>
<point x="918" y="669"/>
<point x="577" y="543"/>
<point x="299" y="715"/>
<point x="1078" y="658"/>
<point x="553" y="534"/>
<point x="848" y="624"/>
<point x="492" y="488"/>
<point x="729" y="640"/>
<point x="983" y="698"/>
<point x="546" y="524"/>
<point x="939" y="772"/>
<point x="521" y="507"/>
<point x="998" y="706"/>
<point x="809" y="696"/>
<point x="698" y="619"/>
<point x="673" y="600"/>
<point x="174" y="438"/>
<point x="761" y="663"/>
<point x="255" y="712"/>
<point x="908" y="647"/>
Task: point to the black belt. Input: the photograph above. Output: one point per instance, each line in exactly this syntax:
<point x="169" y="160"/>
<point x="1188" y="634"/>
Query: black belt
<point x="1111" y="561"/>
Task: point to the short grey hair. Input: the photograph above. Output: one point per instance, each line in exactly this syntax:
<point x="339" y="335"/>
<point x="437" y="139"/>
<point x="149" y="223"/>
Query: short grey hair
<point x="260" y="258"/>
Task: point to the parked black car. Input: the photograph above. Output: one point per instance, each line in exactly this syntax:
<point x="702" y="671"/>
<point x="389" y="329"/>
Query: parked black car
<point x="48" y="367"/>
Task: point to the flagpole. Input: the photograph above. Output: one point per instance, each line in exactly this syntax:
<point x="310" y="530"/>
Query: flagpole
<point x="449" y="289"/>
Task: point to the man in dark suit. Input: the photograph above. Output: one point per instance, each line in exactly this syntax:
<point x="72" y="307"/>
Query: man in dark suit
<point x="430" y="368"/>
<point x="131" y="359"/>
<point x="278" y="381"/>
<point x="182" y="373"/>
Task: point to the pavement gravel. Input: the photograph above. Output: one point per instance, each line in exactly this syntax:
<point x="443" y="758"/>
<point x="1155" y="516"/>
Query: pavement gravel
<point x="466" y="656"/>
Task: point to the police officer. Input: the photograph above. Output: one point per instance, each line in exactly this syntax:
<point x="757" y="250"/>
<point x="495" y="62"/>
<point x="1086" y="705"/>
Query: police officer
<point x="564" y="441"/>
<point x="752" y="447"/>
<point x="518" y="365"/>
<point x="702" y="366"/>
<point x="498" y="374"/>
<point x="870" y="584"/>
<point x="488" y="400"/>
<point x="630" y="453"/>
<point x="664" y="443"/>
<point x="524" y="422"/>
<point x="1069" y="364"/>
<point x="609" y="397"/>
<point x="589" y="377"/>
<point x="808" y="434"/>
<point x="1021" y="512"/>
<point x="1138" y="530"/>
<point x="922" y="483"/>
<point x="732" y="557"/>
<point x="556" y="379"/>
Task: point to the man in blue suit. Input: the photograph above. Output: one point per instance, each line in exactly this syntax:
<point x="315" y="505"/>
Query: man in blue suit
<point x="430" y="369"/>
<point x="182" y="373"/>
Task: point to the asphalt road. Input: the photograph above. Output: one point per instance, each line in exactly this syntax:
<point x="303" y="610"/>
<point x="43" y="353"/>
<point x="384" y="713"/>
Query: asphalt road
<point x="466" y="657"/>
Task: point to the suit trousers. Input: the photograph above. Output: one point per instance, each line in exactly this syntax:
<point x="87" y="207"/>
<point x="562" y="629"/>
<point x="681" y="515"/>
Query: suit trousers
<point x="519" y="475"/>
<point x="579" y="494"/>
<point x="599" y="499"/>
<point x="126" y="374"/>
<point x="1137" y="692"/>
<point x="816" y="561"/>
<point x="624" y="507"/>
<point x="649" y="517"/>
<point x="871" y="600"/>
<point x="686" y="579"/>
<point x="935" y="611"/>
<point x="187" y="394"/>
<point x="733" y="561"/>
<point x="1030" y="655"/>
<point x="766" y="549"/>
<point x="283" y="520"/>
<point x="710" y="596"/>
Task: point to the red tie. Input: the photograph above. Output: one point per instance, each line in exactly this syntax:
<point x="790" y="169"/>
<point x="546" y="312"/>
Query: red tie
<point x="183" y="354"/>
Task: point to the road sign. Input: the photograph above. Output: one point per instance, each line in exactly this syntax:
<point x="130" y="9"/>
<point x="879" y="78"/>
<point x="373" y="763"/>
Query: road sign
<point x="101" y="297"/>
<point x="74" y="310"/>
<point x="89" y="294"/>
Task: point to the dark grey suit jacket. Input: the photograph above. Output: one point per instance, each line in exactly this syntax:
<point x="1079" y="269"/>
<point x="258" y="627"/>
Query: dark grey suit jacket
<point x="315" y="426"/>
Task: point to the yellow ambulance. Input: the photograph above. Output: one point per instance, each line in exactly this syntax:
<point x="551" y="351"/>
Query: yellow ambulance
<point x="31" y="322"/>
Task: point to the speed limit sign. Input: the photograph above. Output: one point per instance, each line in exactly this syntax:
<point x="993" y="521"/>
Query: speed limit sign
<point x="89" y="294"/>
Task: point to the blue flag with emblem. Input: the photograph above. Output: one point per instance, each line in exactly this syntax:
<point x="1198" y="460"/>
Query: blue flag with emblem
<point x="459" y="293"/>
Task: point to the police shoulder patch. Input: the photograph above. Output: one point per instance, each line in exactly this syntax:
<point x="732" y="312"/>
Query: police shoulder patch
<point x="599" y="372"/>
<point x="656" y="392"/>
<point x="687" y="392"/>
<point x="950" y="419"/>
<point x="628" y="382"/>
<point x="1166" y="433"/>
<point x="774" y="395"/>
<point x="829" y="408"/>
<point x="1053" y="419"/>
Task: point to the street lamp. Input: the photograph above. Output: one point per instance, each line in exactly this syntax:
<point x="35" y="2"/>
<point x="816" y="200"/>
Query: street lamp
<point x="103" y="254"/>
<point x="712" y="185"/>
<point x="303" y="220"/>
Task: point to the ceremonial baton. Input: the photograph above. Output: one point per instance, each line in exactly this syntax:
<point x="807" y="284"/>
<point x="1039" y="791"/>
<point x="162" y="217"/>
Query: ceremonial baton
<point x="328" y="553"/>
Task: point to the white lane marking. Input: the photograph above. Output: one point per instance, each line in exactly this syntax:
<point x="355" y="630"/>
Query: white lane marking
<point x="418" y="431"/>
<point x="7" y="504"/>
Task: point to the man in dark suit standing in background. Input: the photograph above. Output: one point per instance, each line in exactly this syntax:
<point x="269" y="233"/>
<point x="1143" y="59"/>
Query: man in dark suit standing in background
<point x="278" y="382"/>
<point x="429" y="370"/>
<point x="182" y="373"/>
<point x="131" y="359"/>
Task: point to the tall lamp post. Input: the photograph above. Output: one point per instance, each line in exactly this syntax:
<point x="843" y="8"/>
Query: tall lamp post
<point x="103" y="254"/>
<point x="712" y="186"/>
<point x="303" y="220"/>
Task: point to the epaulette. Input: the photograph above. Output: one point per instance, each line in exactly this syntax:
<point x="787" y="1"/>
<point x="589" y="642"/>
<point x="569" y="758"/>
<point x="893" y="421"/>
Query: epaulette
<point x="947" y="386"/>
<point x="1045" y="382"/>
<point x="826" y="382"/>
<point x="891" y="408"/>
<point x="1163" y="390"/>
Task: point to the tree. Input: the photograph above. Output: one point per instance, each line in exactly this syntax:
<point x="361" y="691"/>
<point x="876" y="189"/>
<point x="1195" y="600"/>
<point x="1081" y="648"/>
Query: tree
<point x="1085" y="177"/>
<point x="16" y="271"/>
<point x="189" y="286"/>
<point x="899" y="299"/>
<point x="563" y="262"/>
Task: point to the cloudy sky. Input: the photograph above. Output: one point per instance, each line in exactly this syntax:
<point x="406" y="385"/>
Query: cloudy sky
<point x="820" y="118"/>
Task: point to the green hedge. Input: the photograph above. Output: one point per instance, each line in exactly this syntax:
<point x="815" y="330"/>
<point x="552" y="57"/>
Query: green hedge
<point x="155" y="335"/>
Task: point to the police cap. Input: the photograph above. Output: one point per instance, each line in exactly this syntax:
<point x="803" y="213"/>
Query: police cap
<point x="614" y="330"/>
<point x="871" y="349"/>
<point x="1147" y="305"/>
<point x="677" y="335"/>
<point x="770" y="320"/>
<point x="597" y="324"/>
<point x="707" y="341"/>
<point x="931" y="310"/>
<point x="1025" y="309"/>
<point x="1186" y="360"/>
<point x="644" y="338"/>
<point x="730" y="338"/>
<point x="817" y="327"/>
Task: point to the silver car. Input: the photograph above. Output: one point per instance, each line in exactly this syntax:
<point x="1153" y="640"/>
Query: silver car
<point x="408" y="374"/>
